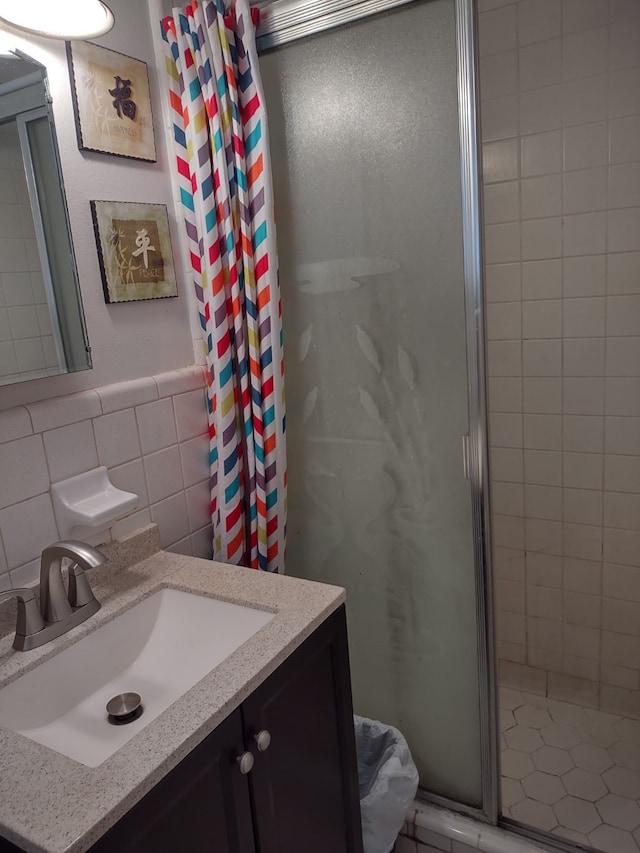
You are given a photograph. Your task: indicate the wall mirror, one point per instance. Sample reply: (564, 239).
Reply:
(42, 327)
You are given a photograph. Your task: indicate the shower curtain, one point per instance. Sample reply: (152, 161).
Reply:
(223, 166)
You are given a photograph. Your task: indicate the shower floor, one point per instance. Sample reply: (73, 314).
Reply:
(571, 771)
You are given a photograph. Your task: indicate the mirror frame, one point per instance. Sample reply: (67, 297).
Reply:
(63, 297)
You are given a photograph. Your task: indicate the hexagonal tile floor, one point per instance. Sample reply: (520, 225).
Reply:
(570, 770)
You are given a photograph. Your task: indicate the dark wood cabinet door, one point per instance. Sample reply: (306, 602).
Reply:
(304, 786)
(302, 793)
(202, 805)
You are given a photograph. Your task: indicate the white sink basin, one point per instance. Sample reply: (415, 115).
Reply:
(160, 648)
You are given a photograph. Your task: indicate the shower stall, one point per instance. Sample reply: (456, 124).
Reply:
(372, 223)
(408, 275)
(560, 106)
(374, 152)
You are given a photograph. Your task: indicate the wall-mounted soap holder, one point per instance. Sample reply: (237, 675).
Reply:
(89, 503)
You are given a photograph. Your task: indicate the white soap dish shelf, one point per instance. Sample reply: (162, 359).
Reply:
(89, 503)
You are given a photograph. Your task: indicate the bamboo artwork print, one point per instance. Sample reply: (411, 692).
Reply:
(134, 248)
(112, 102)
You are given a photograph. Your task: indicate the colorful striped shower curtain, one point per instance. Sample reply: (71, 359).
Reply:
(222, 157)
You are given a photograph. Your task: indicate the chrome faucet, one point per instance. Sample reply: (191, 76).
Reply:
(59, 611)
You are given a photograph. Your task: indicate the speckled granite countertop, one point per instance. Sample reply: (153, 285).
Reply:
(49, 802)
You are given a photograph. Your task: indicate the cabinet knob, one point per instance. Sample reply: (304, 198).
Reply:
(263, 740)
(245, 762)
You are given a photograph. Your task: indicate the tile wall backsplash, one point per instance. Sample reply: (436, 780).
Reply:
(150, 433)
(560, 99)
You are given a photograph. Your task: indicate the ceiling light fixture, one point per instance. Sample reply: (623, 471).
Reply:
(67, 19)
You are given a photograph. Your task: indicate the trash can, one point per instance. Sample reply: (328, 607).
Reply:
(388, 781)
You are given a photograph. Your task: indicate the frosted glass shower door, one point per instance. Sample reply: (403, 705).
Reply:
(365, 146)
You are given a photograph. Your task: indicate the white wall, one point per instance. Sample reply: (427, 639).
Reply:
(146, 422)
(127, 340)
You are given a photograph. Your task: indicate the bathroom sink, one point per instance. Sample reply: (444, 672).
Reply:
(159, 649)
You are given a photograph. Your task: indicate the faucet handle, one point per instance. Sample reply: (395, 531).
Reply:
(29, 619)
(55, 604)
(80, 592)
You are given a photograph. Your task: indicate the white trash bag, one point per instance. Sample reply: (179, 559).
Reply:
(388, 781)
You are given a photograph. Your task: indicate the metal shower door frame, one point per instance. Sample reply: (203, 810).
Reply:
(288, 20)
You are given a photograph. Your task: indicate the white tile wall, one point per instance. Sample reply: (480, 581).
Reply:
(152, 436)
(560, 99)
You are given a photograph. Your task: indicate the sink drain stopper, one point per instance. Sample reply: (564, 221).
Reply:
(124, 708)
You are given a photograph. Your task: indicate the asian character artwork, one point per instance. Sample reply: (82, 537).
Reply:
(134, 247)
(122, 100)
(112, 102)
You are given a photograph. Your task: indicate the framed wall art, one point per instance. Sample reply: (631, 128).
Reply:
(111, 102)
(134, 249)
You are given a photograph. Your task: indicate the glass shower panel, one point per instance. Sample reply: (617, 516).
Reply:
(365, 147)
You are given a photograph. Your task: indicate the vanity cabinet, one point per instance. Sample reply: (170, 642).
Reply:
(203, 804)
(300, 794)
